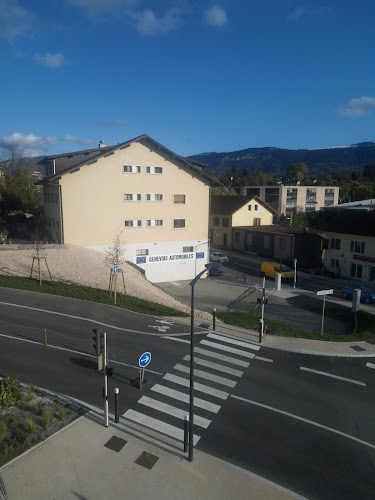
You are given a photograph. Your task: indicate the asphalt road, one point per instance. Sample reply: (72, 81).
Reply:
(308, 431)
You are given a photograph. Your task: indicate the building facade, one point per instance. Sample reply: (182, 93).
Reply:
(285, 199)
(156, 201)
(351, 245)
(227, 212)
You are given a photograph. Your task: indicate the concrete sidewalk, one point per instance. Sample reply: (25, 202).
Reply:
(78, 462)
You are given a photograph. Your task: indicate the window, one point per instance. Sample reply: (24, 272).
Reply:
(249, 207)
(310, 199)
(154, 197)
(131, 169)
(154, 222)
(266, 243)
(179, 223)
(179, 199)
(187, 249)
(372, 273)
(141, 251)
(154, 170)
(216, 221)
(236, 236)
(356, 270)
(133, 223)
(335, 244)
(256, 221)
(329, 197)
(132, 197)
(249, 239)
(335, 263)
(256, 207)
(357, 247)
(291, 198)
(225, 222)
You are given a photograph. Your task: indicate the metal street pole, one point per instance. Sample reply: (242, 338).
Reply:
(324, 306)
(295, 273)
(106, 422)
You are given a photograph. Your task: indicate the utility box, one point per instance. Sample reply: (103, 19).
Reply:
(356, 300)
(278, 281)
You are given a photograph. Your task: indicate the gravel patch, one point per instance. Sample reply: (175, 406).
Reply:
(81, 266)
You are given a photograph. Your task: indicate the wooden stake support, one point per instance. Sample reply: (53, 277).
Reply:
(111, 281)
(40, 273)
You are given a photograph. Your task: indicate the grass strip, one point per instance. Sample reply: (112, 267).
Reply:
(365, 327)
(87, 293)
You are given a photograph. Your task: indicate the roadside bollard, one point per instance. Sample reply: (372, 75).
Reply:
(214, 319)
(260, 330)
(117, 412)
(186, 432)
(45, 337)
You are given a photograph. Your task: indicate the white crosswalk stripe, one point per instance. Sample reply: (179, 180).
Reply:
(229, 340)
(167, 406)
(171, 410)
(215, 366)
(198, 387)
(222, 357)
(158, 425)
(206, 375)
(232, 350)
(185, 398)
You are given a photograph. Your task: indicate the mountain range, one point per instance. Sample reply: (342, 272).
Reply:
(275, 160)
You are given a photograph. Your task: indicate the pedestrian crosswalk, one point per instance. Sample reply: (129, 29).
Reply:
(215, 375)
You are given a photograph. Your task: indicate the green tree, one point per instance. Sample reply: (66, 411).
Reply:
(297, 172)
(17, 190)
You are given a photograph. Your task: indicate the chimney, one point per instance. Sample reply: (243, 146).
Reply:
(102, 144)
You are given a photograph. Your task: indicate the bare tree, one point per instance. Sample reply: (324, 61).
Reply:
(115, 253)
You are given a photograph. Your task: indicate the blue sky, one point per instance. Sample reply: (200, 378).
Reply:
(196, 75)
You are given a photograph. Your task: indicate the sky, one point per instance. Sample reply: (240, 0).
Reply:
(195, 75)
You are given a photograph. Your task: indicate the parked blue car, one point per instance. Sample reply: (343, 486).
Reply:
(367, 295)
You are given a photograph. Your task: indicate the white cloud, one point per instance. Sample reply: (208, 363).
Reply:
(300, 12)
(357, 107)
(114, 122)
(14, 20)
(147, 23)
(215, 16)
(32, 145)
(50, 60)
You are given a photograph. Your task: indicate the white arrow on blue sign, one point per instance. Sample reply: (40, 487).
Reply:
(145, 359)
(115, 269)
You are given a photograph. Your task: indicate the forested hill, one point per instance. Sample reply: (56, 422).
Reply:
(275, 160)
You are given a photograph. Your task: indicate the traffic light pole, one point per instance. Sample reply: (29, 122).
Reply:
(106, 422)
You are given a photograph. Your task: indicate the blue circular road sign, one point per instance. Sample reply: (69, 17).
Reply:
(144, 359)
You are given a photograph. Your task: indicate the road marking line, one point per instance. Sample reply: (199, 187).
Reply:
(228, 349)
(264, 359)
(175, 283)
(185, 398)
(206, 375)
(330, 429)
(222, 357)
(158, 425)
(198, 387)
(172, 410)
(370, 365)
(230, 340)
(333, 376)
(215, 366)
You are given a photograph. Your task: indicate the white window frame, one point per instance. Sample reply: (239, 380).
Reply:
(256, 207)
(152, 170)
(132, 197)
(249, 207)
(174, 224)
(187, 249)
(153, 197)
(134, 169)
(141, 252)
(155, 223)
(134, 223)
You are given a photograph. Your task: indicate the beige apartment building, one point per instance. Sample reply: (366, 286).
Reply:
(285, 199)
(155, 199)
(228, 212)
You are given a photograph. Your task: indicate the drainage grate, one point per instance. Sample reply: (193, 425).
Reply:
(115, 443)
(147, 460)
(357, 348)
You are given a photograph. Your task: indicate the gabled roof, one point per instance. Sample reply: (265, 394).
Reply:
(352, 222)
(228, 205)
(70, 162)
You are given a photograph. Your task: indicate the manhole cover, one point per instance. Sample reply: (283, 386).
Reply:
(115, 443)
(357, 348)
(147, 460)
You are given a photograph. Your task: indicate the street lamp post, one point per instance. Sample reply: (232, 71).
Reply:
(211, 265)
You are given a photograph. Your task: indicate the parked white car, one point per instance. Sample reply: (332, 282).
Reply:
(219, 257)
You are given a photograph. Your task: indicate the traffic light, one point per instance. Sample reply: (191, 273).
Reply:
(97, 337)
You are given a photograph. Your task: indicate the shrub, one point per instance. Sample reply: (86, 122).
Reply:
(47, 416)
(63, 413)
(9, 392)
(30, 424)
(3, 429)
(37, 408)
